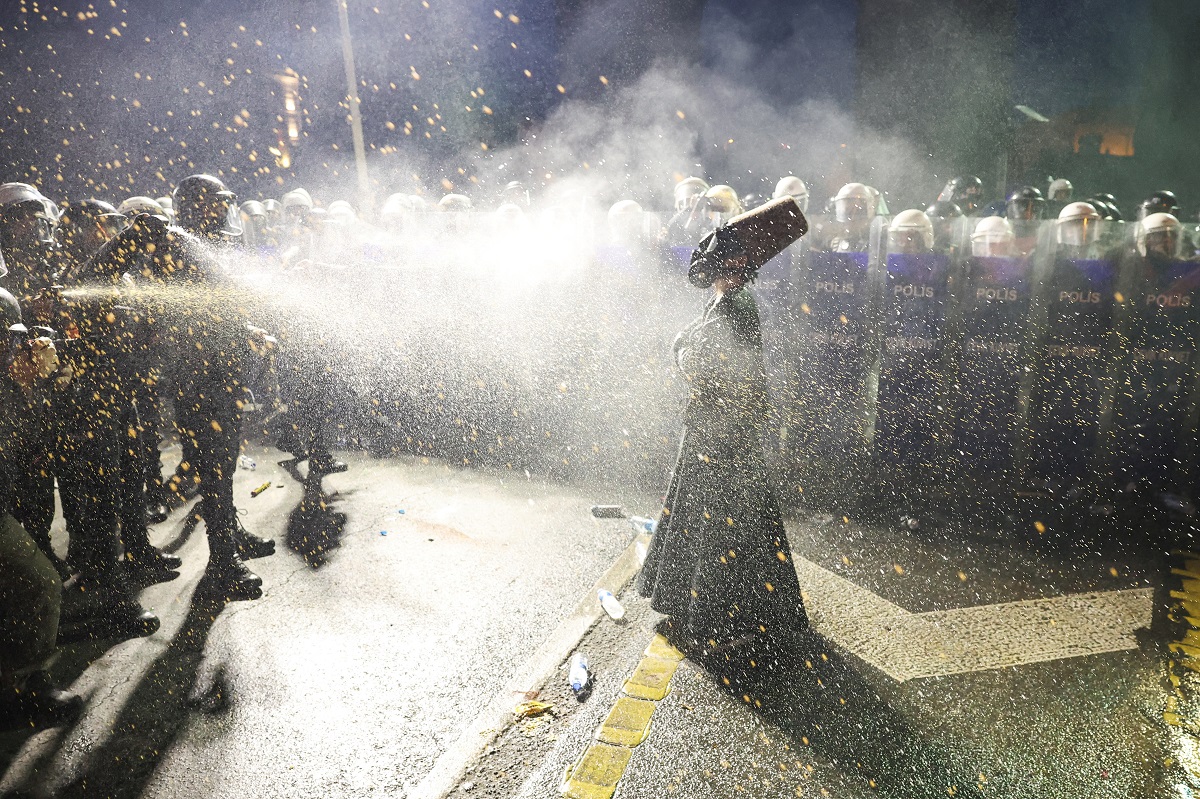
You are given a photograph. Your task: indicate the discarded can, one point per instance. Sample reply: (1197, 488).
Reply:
(612, 606)
(246, 462)
(608, 511)
(260, 489)
(642, 524)
(578, 675)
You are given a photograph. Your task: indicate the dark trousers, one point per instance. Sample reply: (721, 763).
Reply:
(209, 420)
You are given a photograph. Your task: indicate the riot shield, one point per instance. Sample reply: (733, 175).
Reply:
(1152, 419)
(774, 290)
(1072, 364)
(910, 403)
(993, 319)
(824, 412)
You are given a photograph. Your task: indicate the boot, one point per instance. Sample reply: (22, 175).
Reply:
(146, 565)
(103, 607)
(228, 578)
(249, 545)
(38, 705)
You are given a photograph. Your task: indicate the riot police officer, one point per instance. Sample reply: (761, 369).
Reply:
(992, 238)
(910, 232)
(684, 226)
(83, 229)
(31, 591)
(946, 217)
(26, 239)
(854, 208)
(1058, 194)
(1159, 202)
(1078, 230)
(965, 191)
(794, 187)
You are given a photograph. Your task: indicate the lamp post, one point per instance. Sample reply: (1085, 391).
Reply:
(360, 152)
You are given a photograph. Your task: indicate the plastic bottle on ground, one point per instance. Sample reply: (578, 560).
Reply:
(578, 675)
(612, 606)
(246, 462)
(643, 524)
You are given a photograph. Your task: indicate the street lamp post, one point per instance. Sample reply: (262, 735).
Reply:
(360, 152)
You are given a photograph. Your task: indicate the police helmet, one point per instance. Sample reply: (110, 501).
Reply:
(296, 200)
(855, 202)
(1078, 224)
(751, 200)
(993, 236)
(1160, 202)
(723, 200)
(341, 212)
(22, 202)
(515, 193)
(1026, 204)
(395, 208)
(687, 191)
(81, 218)
(943, 209)
(1060, 190)
(253, 208)
(205, 207)
(966, 191)
(454, 203)
(1159, 234)
(134, 206)
(1114, 210)
(792, 186)
(910, 231)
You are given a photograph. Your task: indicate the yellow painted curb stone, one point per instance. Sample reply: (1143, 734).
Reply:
(628, 724)
(597, 773)
(652, 678)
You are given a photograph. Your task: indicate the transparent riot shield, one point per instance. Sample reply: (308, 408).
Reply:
(774, 290)
(824, 411)
(910, 401)
(1150, 435)
(993, 316)
(679, 258)
(1072, 359)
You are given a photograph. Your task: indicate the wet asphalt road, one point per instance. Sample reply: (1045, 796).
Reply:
(1081, 720)
(960, 662)
(359, 667)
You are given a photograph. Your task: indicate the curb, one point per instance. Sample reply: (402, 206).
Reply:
(494, 718)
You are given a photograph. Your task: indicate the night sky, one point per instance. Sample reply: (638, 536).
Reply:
(107, 95)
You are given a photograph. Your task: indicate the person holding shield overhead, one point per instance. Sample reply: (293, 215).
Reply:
(719, 565)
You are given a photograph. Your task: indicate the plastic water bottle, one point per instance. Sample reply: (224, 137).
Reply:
(612, 606)
(578, 675)
(247, 463)
(642, 524)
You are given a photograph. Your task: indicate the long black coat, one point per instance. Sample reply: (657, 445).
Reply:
(719, 562)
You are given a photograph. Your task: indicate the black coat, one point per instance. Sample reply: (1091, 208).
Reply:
(719, 562)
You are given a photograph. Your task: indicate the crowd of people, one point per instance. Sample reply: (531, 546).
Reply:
(122, 325)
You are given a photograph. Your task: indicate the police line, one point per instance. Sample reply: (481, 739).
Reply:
(1058, 367)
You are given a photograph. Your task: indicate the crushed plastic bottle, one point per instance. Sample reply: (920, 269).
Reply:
(578, 674)
(612, 606)
(247, 463)
(642, 524)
